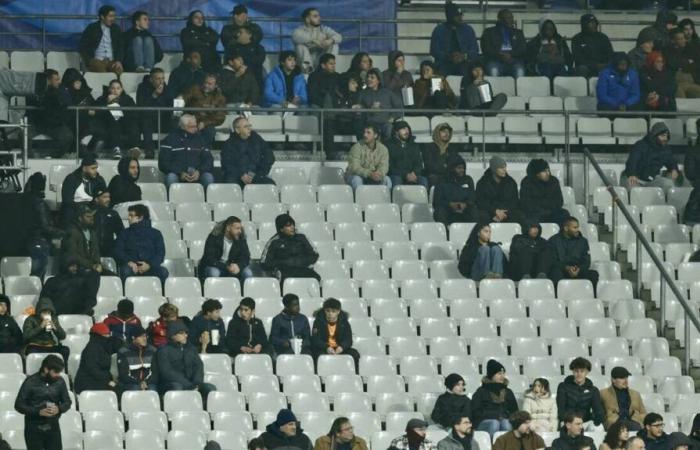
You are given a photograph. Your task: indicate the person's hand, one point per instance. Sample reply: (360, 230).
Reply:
(184, 176)
(246, 349)
(633, 181)
(501, 215)
(575, 270)
(507, 57)
(118, 67)
(296, 101)
(330, 351)
(144, 266)
(257, 348)
(233, 268)
(204, 339)
(195, 176)
(143, 386)
(111, 384)
(111, 97)
(457, 57)
(674, 175)
(376, 176)
(411, 177)
(338, 350)
(376, 105)
(46, 323)
(356, 106)
(201, 125)
(97, 268)
(53, 410)
(47, 412)
(247, 179)
(133, 266)
(569, 270)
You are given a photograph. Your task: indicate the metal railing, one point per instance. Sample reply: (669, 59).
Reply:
(13, 166)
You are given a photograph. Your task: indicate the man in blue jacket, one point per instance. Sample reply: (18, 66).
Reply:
(140, 249)
(184, 155)
(288, 326)
(618, 85)
(453, 43)
(285, 84)
(246, 158)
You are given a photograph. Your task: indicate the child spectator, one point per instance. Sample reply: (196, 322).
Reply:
(123, 321)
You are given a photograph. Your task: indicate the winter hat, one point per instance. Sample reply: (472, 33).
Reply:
(100, 328)
(492, 368)
(135, 331)
(282, 221)
(399, 124)
(284, 417)
(289, 298)
(125, 307)
(454, 160)
(212, 445)
(678, 439)
(88, 160)
(646, 35)
(451, 10)
(496, 162)
(659, 128)
(99, 191)
(416, 423)
(587, 18)
(451, 380)
(619, 372)
(248, 302)
(537, 165)
(176, 327)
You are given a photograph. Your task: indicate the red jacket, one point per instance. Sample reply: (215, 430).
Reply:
(121, 328)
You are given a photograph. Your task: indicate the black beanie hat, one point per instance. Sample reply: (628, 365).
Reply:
(536, 166)
(125, 307)
(88, 160)
(493, 367)
(451, 380)
(282, 221)
(451, 10)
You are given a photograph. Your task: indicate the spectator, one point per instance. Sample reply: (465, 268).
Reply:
(341, 435)
(541, 198)
(79, 187)
(653, 433)
(530, 254)
(41, 228)
(591, 48)
(571, 435)
(158, 330)
(360, 66)
(253, 53)
(691, 168)
(78, 93)
(452, 404)
(10, 333)
(290, 333)
(332, 333)
(43, 332)
(312, 39)
(521, 437)
(572, 257)
(396, 77)
(239, 18)
(179, 365)
(578, 394)
(368, 161)
(480, 257)
(200, 38)
(101, 45)
(454, 199)
(184, 155)
(108, 224)
(405, 160)
(72, 291)
(541, 407)
(504, 47)
(81, 243)
(415, 437)
(52, 117)
(453, 44)
(189, 73)
(477, 93)
(123, 322)
(548, 54)
(375, 96)
(42, 399)
(207, 330)
(497, 194)
(140, 249)
(620, 403)
(345, 97)
(658, 85)
(277, 92)
(95, 362)
(323, 82)
(246, 158)
(209, 96)
(239, 84)
(618, 85)
(647, 157)
(638, 55)
(136, 363)
(285, 433)
(635, 443)
(493, 402)
(142, 50)
(461, 436)
(425, 96)
(118, 129)
(665, 22)
(289, 253)
(691, 36)
(679, 441)
(152, 93)
(435, 156)
(681, 62)
(226, 251)
(616, 437)
(246, 333)
(123, 187)
(256, 444)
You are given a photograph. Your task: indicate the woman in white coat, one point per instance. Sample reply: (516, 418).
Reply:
(541, 406)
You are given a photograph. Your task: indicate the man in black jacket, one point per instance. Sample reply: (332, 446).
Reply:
(42, 398)
(52, 118)
(96, 360)
(503, 47)
(530, 254)
(285, 433)
(591, 49)
(653, 434)
(108, 224)
(541, 199)
(253, 53)
(666, 21)
(497, 194)
(239, 18)
(493, 402)
(246, 333)
(151, 92)
(452, 403)
(571, 254)
(332, 334)
(72, 292)
(405, 159)
(323, 82)
(226, 251)
(647, 157)
(79, 187)
(238, 83)
(136, 363)
(246, 158)
(10, 333)
(571, 435)
(189, 73)
(289, 253)
(578, 394)
(454, 199)
(101, 44)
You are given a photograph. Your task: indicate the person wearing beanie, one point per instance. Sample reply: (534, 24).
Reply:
(396, 77)
(461, 434)
(246, 333)
(646, 159)
(341, 436)
(471, 95)
(521, 437)
(368, 160)
(290, 332)
(541, 199)
(140, 249)
(312, 39)
(548, 53)
(239, 18)
(288, 253)
(425, 97)
(332, 333)
(620, 403)
(658, 84)
(571, 254)
(415, 437)
(72, 291)
(571, 435)
(481, 257)
(455, 199)
(108, 224)
(591, 49)
(453, 43)
(436, 154)
(96, 360)
(207, 329)
(493, 402)
(503, 47)
(578, 394)
(78, 188)
(136, 363)
(10, 334)
(454, 402)
(542, 407)
(226, 252)
(665, 22)
(405, 160)
(246, 157)
(497, 194)
(530, 254)
(123, 321)
(285, 433)
(285, 85)
(618, 85)
(638, 55)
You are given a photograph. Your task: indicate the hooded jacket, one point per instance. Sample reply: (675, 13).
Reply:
(137, 364)
(663, 82)
(569, 252)
(543, 410)
(285, 327)
(508, 441)
(444, 37)
(75, 246)
(584, 399)
(319, 334)
(180, 363)
(492, 195)
(35, 393)
(202, 39)
(362, 160)
(214, 248)
(122, 328)
(95, 362)
(615, 89)
(590, 49)
(140, 242)
(470, 251)
(125, 100)
(566, 442)
(181, 79)
(145, 97)
(195, 97)
(199, 325)
(493, 401)
(404, 156)
(10, 333)
(42, 224)
(647, 156)
(492, 40)
(436, 161)
(181, 150)
(540, 198)
(611, 406)
(123, 187)
(538, 51)
(402, 443)
(453, 188)
(241, 156)
(82, 96)
(128, 39)
(321, 86)
(241, 333)
(449, 405)
(274, 439)
(91, 37)
(108, 225)
(71, 184)
(275, 90)
(71, 293)
(658, 31)
(393, 80)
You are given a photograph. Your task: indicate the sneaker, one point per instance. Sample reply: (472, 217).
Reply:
(117, 153)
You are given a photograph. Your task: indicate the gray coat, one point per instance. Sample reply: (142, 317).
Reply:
(450, 443)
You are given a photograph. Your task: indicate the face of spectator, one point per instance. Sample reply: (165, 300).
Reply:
(500, 377)
(240, 19)
(501, 172)
(533, 232)
(670, 26)
(244, 129)
(464, 426)
(289, 429)
(679, 40)
(133, 169)
(647, 47)
(426, 72)
(579, 374)
(141, 341)
(575, 427)
(372, 81)
(346, 433)
(214, 315)
(445, 135)
(313, 19)
(293, 307)
(544, 175)
(104, 200)
(190, 126)
(536, 386)
(622, 66)
(548, 30)
(90, 171)
(195, 60)
(478, 73)
(370, 136)
(244, 36)
(73, 268)
(109, 19)
(289, 64)
(637, 444)
(180, 338)
(142, 22)
(3, 308)
(456, 19)
(209, 85)
(485, 236)
(524, 428)
(54, 81)
(458, 388)
(688, 31)
(77, 84)
(624, 434)
(571, 230)
(236, 63)
(157, 79)
(659, 63)
(289, 229)
(234, 231)
(507, 19)
(656, 429)
(245, 312)
(331, 315)
(50, 374)
(198, 19)
(620, 383)
(133, 218)
(662, 138)
(115, 89)
(87, 220)
(459, 170)
(365, 63)
(403, 133)
(420, 431)
(592, 26)
(399, 63)
(352, 85)
(329, 66)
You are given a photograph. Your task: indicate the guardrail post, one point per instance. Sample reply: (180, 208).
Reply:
(483, 138)
(567, 148)
(323, 137)
(686, 349)
(639, 267)
(662, 304)
(586, 186)
(77, 136)
(614, 227)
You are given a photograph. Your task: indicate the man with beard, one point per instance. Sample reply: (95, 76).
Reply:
(226, 251)
(207, 95)
(151, 92)
(454, 199)
(415, 437)
(312, 39)
(82, 243)
(123, 188)
(79, 187)
(368, 161)
(521, 437)
(405, 160)
(571, 254)
(238, 84)
(461, 434)
(72, 292)
(108, 224)
(647, 157)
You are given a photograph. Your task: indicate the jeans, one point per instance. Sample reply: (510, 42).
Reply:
(492, 426)
(160, 272)
(204, 389)
(489, 259)
(144, 52)
(39, 251)
(215, 272)
(205, 179)
(498, 69)
(356, 181)
(398, 181)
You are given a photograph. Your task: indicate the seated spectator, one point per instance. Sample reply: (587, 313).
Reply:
(647, 157)
(158, 330)
(77, 92)
(256, 444)
(504, 47)
(368, 161)
(72, 291)
(189, 73)
(332, 333)
(207, 329)
(226, 251)
(461, 435)
(184, 155)
(521, 437)
(396, 77)
(578, 394)
(665, 22)
(452, 404)
(136, 363)
(691, 169)
(179, 365)
(618, 85)
(691, 36)
(653, 433)
(415, 437)
(10, 334)
(246, 333)
(312, 40)
(679, 441)
(497, 194)
(82, 243)
(285, 433)
(209, 96)
(635, 443)
(530, 254)
(681, 62)
(541, 198)
(694, 433)
(480, 257)
(548, 54)
(658, 85)
(95, 362)
(375, 96)
(477, 93)
(638, 55)
(108, 224)
(253, 53)
(453, 44)
(116, 128)
(238, 83)
(591, 49)
(616, 437)
(122, 322)
(454, 199)
(346, 95)
(239, 19)
(541, 407)
(78, 188)
(571, 435)
(405, 160)
(424, 94)
(620, 403)
(360, 66)
(141, 49)
(198, 37)
(140, 249)
(123, 187)
(43, 332)
(290, 333)
(52, 117)
(287, 74)
(246, 158)
(572, 255)
(493, 402)
(101, 45)
(435, 156)
(152, 92)
(341, 434)
(288, 253)
(41, 228)
(323, 82)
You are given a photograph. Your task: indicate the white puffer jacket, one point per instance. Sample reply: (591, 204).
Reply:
(543, 410)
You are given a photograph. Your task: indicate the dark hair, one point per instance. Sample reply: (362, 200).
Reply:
(651, 418)
(137, 15)
(210, 305)
(502, 12)
(231, 220)
(245, 27)
(579, 363)
(332, 303)
(374, 71)
(50, 72)
(284, 54)
(675, 31)
(687, 21)
(140, 210)
(156, 70)
(53, 363)
(572, 415)
(256, 443)
(325, 58)
(612, 437)
(355, 62)
(564, 222)
(543, 381)
(105, 9)
(337, 425)
(188, 53)
(232, 54)
(372, 127)
(456, 419)
(211, 75)
(167, 309)
(518, 418)
(305, 13)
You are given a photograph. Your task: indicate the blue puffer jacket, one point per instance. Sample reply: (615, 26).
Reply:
(140, 242)
(181, 150)
(276, 88)
(615, 89)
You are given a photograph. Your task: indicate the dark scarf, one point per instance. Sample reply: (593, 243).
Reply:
(465, 442)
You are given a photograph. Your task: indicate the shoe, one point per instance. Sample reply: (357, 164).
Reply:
(117, 153)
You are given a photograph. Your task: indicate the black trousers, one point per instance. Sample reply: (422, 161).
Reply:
(298, 272)
(43, 437)
(448, 216)
(589, 274)
(530, 262)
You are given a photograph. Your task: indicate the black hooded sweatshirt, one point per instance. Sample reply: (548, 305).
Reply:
(123, 187)
(95, 363)
(108, 225)
(454, 188)
(647, 156)
(202, 39)
(241, 333)
(536, 53)
(404, 156)
(72, 293)
(321, 87)
(540, 198)
(492, 195)
(449, 405)
(584, 399)
(492, 401)
(524, 248)
(10, 333)
(591, 49)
